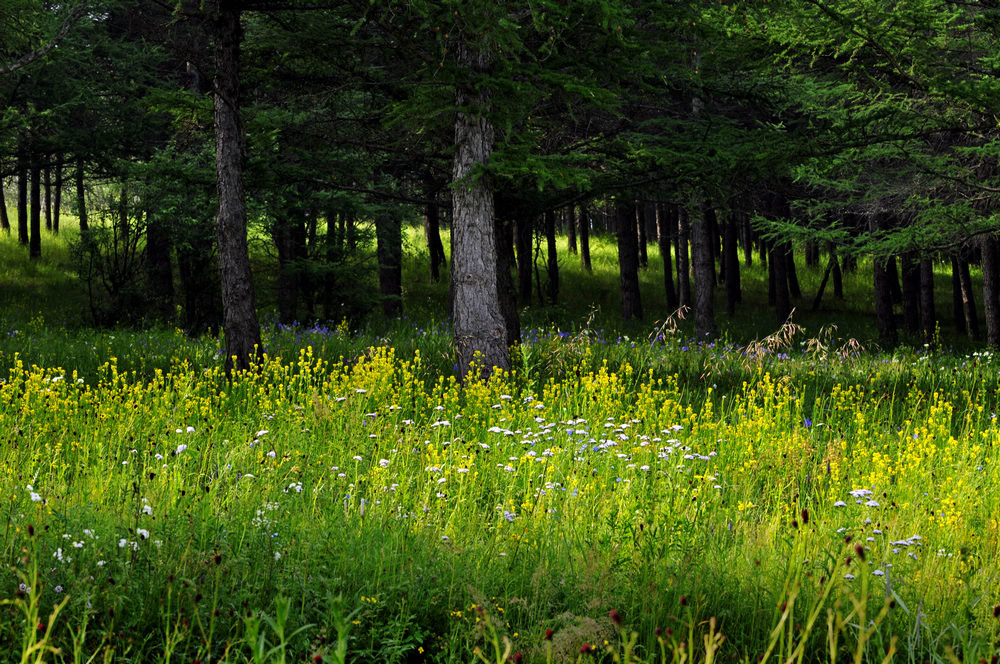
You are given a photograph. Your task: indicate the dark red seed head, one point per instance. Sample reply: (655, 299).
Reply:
(658, 632)
(847, 539)
(684, 600)
(616, 617)
(218, 559)
(585, 648)
(517, 658)
(41, 627)
(31, 530)
(784, 606)
(317, 658)
(860, 550)
(548, 634)
(805, 517)
(996, 611)
(795, 524)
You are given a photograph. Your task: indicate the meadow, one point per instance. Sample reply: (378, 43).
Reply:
(624, 495)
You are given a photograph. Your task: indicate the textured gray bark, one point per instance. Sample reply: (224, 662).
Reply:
(479, 330)
(704, 268)
(239, 314)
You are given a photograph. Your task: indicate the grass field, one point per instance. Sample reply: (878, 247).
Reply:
(622, 496)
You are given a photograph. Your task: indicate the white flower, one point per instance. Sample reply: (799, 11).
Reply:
(58, 589)
(35, 498)
(262, 432)
(272, 454)
(277, 555)
(142, 532)
(180, 448)
(358, 458)
(147, 509)
(190, 430)
(384, 463)
(872, 503)
(878, 572)
(122, 543)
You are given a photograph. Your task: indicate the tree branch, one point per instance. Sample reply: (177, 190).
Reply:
(41, 51)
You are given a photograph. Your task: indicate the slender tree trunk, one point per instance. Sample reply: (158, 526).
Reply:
(585, 238)
(712, 241)
(35, 242)
(885, 322)
(779, 264)
(628, 262)
(838, 277)
(892, 271)
(704, 271)
(640, 222)
(479, 330)
(822, 284)
(747, 240)
(683, 257)
(793, 278)
(911, 294)
(81, 198)
(389, 250)
(432, 232)
(928, 322)
(4, 219)
(57, 195)
(47, 197)
(991, 289)
(571, 229)
(968, 298)
(663, 237)
(22, 195)
(506, 292)
(553, 259)
(958, 312)
(242, 330)
(731, 260)
(522, 242)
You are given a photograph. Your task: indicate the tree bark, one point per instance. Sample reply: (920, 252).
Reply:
(432, 233)
(838, 276)
(794, 290)
(389, 250)
(35, 240)
(22, 195)
(552, 262)
(641, 240)
(585, 239)
(885, 322)
(506, 292)
(242, 330)
(778, 262)
(967, 298)
(683, 257)
(747, 240)
(664, 222)
(288, 287)
(928, 322)
(57, 195)
(571, 229)
(47, 197)
(628, 261)
(523, 236)
(704, 271)
(81, 198)
(991, 289)
(4, 219)
(479, 330)
(911, 294)
(731, 261)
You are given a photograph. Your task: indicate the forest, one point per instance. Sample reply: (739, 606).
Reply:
(428, 330)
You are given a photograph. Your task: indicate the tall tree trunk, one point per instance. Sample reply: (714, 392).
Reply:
(778, 262)
(664, 223)
(522, 241)
(957, 311)
(838, 276)
(47, 196)
(704, 271)
(506, 292)
(892, 272)
(731, 261)
(432, 233)
(22, 195)
(389, 251)
(683, 257)
(159, 271)
(242, 330)
(4, 219)
(911, 294)
(35, 242)
(793, 278)
(968, 297)
(585, 238)
(628, 261)
(928, 322)
(571, 229)
(641, 240)
(885, 322)
(479, 330)
(747, 240)
(57, 195)
(712, 240)
(81, 198)
(991, 289)
(552, 261)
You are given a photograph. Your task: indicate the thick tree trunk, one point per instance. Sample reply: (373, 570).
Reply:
(47, 197)
(432, 233)
(22, 195)
(571, 229)
(885, 322)
(389, 250)
(4, 219)
(911, 294)
(585, 239)
(778, 263)
(552, 261)
(704, 271)
(892, 271)
(479, 329)
(523, 236)
(664, 223)
(928, 322)
(242, 330)
(991, 289)
(35, 241)
(506, 292)
(57, 195)
(628, 262)
(712, 241)
(683, 257)
(731, 261)
(81, 198)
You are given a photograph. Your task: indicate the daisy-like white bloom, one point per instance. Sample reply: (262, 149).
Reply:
(383, 463)
(181, 448)
(142, 532)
